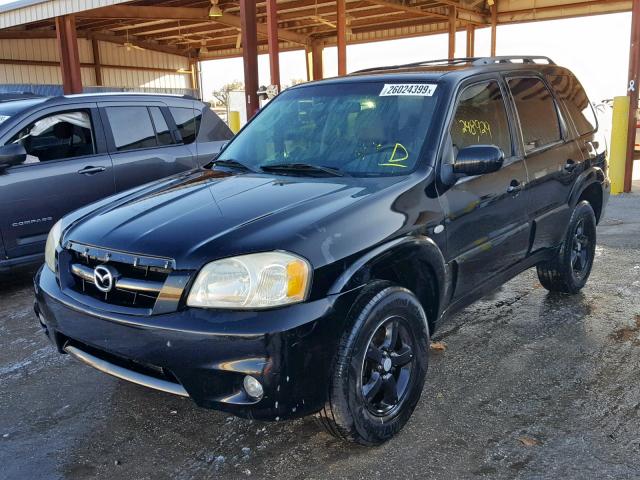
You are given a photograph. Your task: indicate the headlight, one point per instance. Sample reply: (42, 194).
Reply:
(53, 241)
(258, 280)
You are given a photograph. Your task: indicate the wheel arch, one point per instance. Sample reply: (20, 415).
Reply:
(589, 187)
(415, 263)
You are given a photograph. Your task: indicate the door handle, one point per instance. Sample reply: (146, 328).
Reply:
(570, 166)
(91, 170)
(514, 187)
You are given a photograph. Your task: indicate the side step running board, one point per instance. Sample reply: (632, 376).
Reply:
(125, 374)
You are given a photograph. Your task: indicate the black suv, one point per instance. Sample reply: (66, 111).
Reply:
(58, 154)
(304, 269)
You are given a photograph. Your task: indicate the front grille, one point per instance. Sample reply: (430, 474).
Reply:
(136, 281)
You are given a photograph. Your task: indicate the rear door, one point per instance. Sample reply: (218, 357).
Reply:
(67, 167)
(486, 215)
(553, 160)
(579, 112)
(142, 144)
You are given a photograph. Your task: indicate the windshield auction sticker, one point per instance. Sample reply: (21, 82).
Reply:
(408, 89)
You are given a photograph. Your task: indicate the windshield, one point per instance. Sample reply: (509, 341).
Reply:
(360, 129)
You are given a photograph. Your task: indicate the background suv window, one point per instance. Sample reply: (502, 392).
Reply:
(57, 137)
(481, 118)
(537, 112)
(131, 128)
(188, 122)
(570, 92)
(163, 133)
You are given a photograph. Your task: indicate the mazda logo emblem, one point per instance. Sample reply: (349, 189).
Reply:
(104, 278)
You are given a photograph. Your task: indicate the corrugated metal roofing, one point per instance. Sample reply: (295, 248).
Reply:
(27, 11)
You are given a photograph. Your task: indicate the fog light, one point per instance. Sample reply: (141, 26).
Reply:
(253, 387)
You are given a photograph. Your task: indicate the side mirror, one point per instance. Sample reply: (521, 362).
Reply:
(11, 155)
(478, 159)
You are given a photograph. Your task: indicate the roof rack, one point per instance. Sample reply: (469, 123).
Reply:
(442, 61)
(470, 60)
(511, 58)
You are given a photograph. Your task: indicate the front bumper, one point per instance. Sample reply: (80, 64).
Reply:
(208, 352)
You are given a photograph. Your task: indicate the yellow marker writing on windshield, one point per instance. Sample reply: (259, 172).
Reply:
(396, 160)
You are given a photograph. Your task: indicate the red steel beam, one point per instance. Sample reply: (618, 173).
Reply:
(634, 66)
(471, 41)
(452, 32)
(341, 11)
(272, 38)
(69, 56)
(494, 26)
(250, 54)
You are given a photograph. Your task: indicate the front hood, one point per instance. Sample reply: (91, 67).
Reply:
(182, 218)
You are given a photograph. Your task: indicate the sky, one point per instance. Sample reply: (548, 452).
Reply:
(595, 48)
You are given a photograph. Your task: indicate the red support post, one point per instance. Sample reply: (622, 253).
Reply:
(250, 54)
(632, 91)
(452, 32)
(274, 47)
(69, 56)
(494, 27)
(342, 36)
(471, 40)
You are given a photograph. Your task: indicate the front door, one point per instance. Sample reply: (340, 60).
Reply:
(64, 170)
(485, 215)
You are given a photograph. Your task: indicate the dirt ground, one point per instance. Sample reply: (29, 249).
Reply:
(530, 386)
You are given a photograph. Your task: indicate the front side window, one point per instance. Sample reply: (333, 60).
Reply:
(481, 118)
(361, 129)
(570, 92)
(131, 128)
(188, 122)
(58, 136)
(537, 112)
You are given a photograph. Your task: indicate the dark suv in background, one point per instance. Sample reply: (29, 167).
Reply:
(304, 269)
(58, 154)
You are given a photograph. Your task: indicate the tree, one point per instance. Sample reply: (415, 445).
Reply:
(221, 96)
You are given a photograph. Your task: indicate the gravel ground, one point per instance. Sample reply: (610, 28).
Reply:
(530, 386)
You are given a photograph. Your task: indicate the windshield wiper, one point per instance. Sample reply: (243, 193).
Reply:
(303, 168)
(230, 163)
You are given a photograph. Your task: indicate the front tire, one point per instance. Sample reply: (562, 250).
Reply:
(380, 367)
(569, 271)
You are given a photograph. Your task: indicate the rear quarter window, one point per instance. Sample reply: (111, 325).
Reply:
(188, 122)
(569, 91)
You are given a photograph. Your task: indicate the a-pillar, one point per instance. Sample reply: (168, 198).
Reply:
(69, 56)
(250, 54)
(632, 91)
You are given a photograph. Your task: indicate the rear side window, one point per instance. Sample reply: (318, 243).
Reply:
(188, 122)
(162, 129)
(131, 127)
(537, 112)
(481, 118)
(572, 95)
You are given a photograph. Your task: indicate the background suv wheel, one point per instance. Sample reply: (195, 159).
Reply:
(380, 366)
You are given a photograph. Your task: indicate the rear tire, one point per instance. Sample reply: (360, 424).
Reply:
(569, 270)
(380, 366)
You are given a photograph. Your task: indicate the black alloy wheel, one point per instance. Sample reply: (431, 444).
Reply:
(387, 367)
